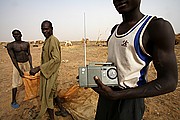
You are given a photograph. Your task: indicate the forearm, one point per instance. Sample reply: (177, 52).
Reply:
(12, 56)
(49, 68)
(35, 70)
(15, 63)
(30, 61)
(153, 88)
(162, 85)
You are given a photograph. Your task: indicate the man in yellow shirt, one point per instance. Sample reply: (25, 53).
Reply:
(49, 68)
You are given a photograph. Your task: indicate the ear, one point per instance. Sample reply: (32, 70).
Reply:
(21, 34)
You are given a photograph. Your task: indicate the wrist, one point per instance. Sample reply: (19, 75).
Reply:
(39, 68)
(19, 70)
(31, 66)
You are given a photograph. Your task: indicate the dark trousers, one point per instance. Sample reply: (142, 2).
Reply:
(130, 109)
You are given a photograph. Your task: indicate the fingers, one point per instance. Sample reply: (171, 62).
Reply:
(98, 81)
(32, 72)
(22, 75)
(100, 84)
(35, 70)
(96, 78)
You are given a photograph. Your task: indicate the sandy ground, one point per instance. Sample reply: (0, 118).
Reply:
(164, 107)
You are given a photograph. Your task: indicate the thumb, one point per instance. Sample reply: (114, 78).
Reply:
(98, 81)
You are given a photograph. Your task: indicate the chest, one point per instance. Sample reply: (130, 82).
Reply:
(18, 47)
(134, 34)
(46, 51)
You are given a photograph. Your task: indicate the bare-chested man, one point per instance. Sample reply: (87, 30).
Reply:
(19, 52)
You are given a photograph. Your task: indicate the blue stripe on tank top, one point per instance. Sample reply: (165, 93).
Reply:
(147, 59)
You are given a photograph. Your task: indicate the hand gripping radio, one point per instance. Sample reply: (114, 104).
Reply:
(105, 71)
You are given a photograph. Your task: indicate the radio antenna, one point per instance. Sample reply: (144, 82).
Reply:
(84, 40)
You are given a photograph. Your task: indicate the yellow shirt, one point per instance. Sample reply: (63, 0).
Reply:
(50, 63)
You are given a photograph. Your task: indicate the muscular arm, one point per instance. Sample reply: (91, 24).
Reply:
(164, 58)
(163, 37)
(29, 56)
(13, 57)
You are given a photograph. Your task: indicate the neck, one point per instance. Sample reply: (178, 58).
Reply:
(18, 41)
(48, 36)
(132, 16)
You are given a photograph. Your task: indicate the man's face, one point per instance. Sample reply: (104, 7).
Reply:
(124, 6)
(17, 35)
(46, 29)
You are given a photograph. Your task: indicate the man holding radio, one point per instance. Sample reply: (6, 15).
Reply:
(135, 42)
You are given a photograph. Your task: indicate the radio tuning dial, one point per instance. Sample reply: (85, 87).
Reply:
(112, 73)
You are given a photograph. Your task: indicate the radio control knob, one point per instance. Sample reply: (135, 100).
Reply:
(112, 73)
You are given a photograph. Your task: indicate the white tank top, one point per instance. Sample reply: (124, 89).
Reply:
(129, 56)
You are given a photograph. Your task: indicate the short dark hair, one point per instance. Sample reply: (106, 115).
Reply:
(16, 30)
(47, 21)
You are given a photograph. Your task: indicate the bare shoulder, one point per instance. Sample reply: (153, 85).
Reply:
(161, 30)
(160, 25)
(114, 28)
(10, 45)
(28, 43)
(25, 42)
(159, 21)
(54, 40)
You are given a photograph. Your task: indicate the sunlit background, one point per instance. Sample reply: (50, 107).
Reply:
(67, 17)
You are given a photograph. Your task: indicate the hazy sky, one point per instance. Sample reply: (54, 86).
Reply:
(67, 17)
